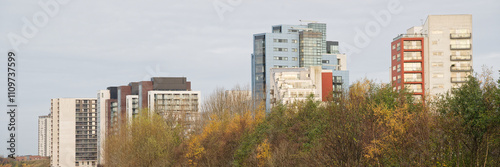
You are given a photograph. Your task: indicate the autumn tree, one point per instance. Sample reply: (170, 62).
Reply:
(148, 140)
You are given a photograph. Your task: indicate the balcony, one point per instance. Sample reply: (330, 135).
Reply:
(412, 69)
(459, 80)
(408, 58)
(412, 47)
(413, 79)
(459, 69)
(460, 35)
(460, 57)
(460, 46)
(338, 81)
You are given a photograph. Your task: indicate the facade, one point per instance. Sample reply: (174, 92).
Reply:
(336, 62)
(408, 64)
(181, 106)
(289, 85)
(44, 126)
(74, 132)
(125, 101)
(445, 56)
(289, 46)
(102, 117)
(132, 106)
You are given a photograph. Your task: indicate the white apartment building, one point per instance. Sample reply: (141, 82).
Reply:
(132, 106)
(44, 125)
(182, 106)
(102, 115)
(74, 132)
(289, 85)
(449, 53)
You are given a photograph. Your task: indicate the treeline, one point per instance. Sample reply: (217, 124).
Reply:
(371, 125)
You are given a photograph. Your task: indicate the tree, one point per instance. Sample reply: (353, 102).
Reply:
(147, 141)
(470, 115)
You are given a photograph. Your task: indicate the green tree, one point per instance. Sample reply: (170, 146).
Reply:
(470, 117)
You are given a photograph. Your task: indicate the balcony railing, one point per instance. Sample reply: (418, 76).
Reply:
(460, 35)
(412, 47)
(409, 36)
(413, 58)
(460, 46)
(459, 80)
(460, 57)
(413, 68)
(462, 68)
(413, 79)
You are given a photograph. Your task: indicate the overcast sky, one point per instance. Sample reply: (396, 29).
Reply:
(90, 45)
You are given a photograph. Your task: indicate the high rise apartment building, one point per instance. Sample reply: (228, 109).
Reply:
(125, 101)
(44, 126)
(435, 57)
(74, 132)
(292, 46)
(183, 107)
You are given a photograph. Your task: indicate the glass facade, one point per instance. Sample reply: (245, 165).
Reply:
(310, 48)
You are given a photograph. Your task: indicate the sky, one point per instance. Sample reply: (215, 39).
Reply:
(80, 47)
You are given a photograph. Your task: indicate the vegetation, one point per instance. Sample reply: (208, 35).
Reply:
(8, 162)
(370, 125)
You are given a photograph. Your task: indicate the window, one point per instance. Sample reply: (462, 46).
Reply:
(280, 58)
(413, 55)
(437, 64)
(394, 78)
(399, 67)
(280, 66)
(437, 75)
(399, 57)
(437, 53)
(393, 68)
(294, 40)
(326, 61)
(280, 40)
(438, 86)
(413, 77)
(412, 44)
(294, 49)
(281, 49)
(393, 47)
(394, 57)
(413, 66)
(417, 88)
(294, 58)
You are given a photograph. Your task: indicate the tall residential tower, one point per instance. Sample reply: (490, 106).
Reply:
(435, 57)
(292, 46)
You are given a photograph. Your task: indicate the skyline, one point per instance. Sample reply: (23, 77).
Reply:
(115, 43)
